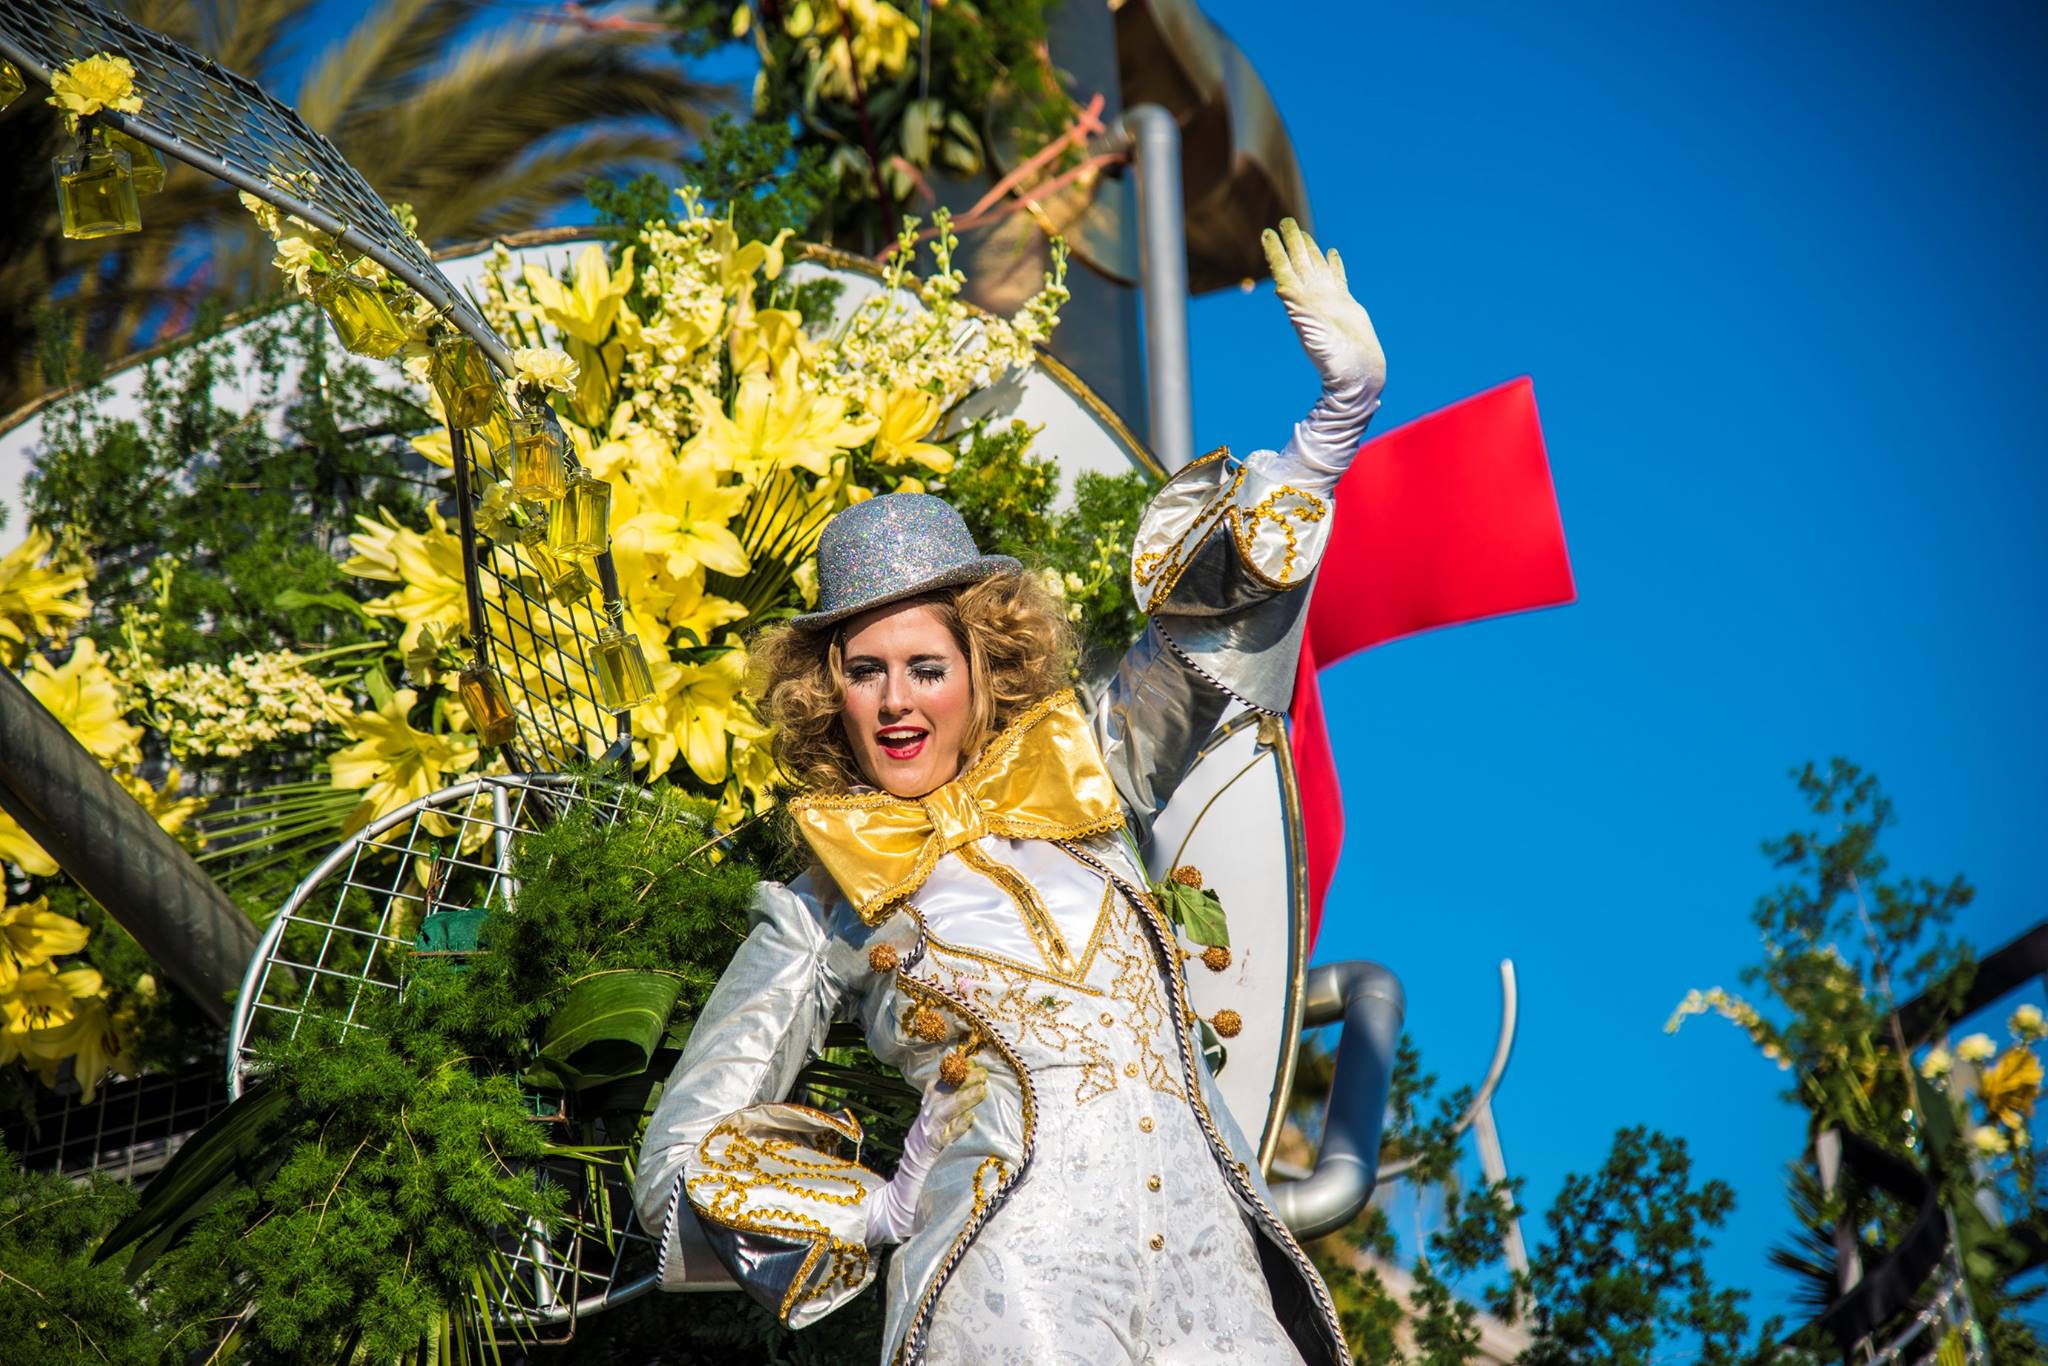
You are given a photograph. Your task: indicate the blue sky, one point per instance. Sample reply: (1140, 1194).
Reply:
(1777, 274)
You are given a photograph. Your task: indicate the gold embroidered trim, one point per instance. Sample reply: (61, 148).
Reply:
(1244, 529)
(725, 1190)
(1078, 981)
(1045, 931)
(981, 1197)
(1162, 569)
(1166, 566)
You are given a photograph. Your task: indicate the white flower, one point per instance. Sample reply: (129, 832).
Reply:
(1988, 1139)
(2027, 1022)
(545, 368)
(1936, 1064)
(1977, 1048)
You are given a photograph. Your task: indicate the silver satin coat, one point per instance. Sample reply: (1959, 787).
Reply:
(1222, 563)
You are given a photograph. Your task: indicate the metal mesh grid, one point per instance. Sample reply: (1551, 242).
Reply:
(128, 1131)
(338, 940)
(226, 125)
(541, 647)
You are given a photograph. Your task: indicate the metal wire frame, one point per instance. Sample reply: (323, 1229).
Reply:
(338, 940)
(228, 126)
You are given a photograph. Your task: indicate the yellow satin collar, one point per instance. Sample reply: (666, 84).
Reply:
(1041, 778)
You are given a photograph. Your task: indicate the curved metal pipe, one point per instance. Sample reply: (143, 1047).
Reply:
(1503, 1047)
(1369, 1000)
(117, 852)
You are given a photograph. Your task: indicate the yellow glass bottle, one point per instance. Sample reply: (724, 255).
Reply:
(463, 380)
(11, 83)
(362, 319)
(623, 681)
(144, 160)
(95, 190)
(540, 471)
(570, 584)
(483, 696)
(580, 521)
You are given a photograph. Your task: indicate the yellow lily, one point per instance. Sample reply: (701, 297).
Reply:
(588, 306)
(776, 424)
(681, 515)
(393, 761)
(31, 934)
(84, 695)
(695, 709)
(37, 599)
(93, 1038)
(763, 336)
(906, 417)
(2011, 1086)
(42, 996)
(164, 805)
(427, 564)
(737, 263)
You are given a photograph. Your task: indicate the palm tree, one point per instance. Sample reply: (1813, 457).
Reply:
(480, 129)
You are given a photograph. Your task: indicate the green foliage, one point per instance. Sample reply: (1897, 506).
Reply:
(756, 172)
(1622, 1278)
(1006, 493)
(57, 1306)
(249, 500)
(369, 1188)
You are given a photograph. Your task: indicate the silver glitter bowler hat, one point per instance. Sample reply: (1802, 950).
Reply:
(894, 546)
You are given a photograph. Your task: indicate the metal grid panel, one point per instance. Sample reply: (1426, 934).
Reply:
(128, 1131)
(228, 126)
(337, 941)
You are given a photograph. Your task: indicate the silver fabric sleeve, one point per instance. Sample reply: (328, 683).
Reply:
(761, 1023)
(1156, 711)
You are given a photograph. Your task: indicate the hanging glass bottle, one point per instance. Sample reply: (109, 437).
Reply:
(95, 189)
(362, 319)
(569, 584)
(11, 83)
(144, 160)
(463, 380)
(623, 680)
(539, 450)
(580, 521)
(483, 696)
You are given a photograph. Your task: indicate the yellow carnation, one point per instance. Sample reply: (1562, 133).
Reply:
(545, 368)
(91, 84)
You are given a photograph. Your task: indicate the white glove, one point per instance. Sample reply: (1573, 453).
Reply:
(1340, 341)
(946, 1114)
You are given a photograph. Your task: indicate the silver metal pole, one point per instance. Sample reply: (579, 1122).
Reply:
(1153, 137)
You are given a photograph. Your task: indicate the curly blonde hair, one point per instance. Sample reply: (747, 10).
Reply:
(1012, 630)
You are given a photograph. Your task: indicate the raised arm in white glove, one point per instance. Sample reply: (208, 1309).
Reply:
(1340, 340)
(946, 1113)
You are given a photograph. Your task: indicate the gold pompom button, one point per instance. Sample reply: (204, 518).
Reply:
(1158, 1242)
(1187, 875)
(1226, 1023)
(1151, 1183)
(1216, 958)
(884, 958)
(928, 1025)
(1145, 1125)
(953, 1067)
(1130, 1069)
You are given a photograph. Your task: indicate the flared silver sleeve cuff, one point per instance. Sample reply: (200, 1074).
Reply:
(1222, 552)
(784, 1208)
(753, 1035)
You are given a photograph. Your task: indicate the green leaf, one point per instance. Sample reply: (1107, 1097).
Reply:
(292, 599)
(1196, 910)
(237, 1147)
(606, 1028)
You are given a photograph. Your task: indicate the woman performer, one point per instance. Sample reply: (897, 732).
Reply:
(1073, 1189)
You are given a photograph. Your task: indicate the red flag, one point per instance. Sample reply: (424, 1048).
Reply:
(1449, 519)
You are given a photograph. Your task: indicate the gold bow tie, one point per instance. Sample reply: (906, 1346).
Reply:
(1040, 778)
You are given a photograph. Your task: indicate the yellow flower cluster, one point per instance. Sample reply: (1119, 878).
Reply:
(729, 434)
(206, 711)
(842, 37)
(2006, 1085)
(91, 84)
(50, 1011)
(39, 597)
